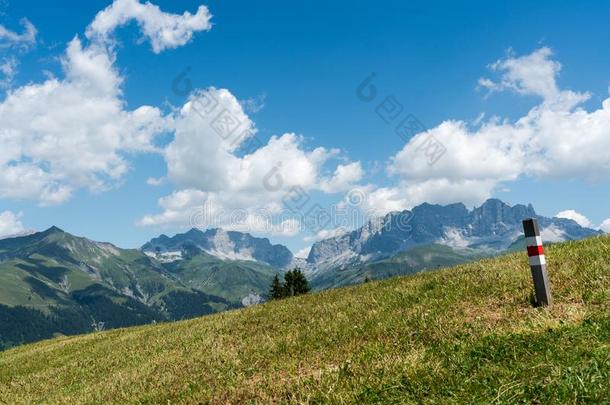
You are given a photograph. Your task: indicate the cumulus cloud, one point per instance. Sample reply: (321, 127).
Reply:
(605, 226)
(61, 135)
(555, 139)
(203, 154)
(577, 217)
(199, 209)
(216, 158)
(75, 132)
(582, 220)
(552, 234)
(64, 134)
(178, 207)
(534, 74)
(10, 224)
(344, 178)
(163, 30)
(24, 40)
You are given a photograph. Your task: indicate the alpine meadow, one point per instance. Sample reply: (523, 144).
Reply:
(236, 202)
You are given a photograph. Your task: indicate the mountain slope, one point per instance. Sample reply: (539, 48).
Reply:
(233, 280)
(489, 229)
(413, 260)
(53, 283)
(467, 334)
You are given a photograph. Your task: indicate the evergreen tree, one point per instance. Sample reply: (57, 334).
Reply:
(296, 283)
(277, 290)
(301, 285)
(289, 283)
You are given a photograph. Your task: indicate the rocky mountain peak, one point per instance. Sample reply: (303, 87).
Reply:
(227, 245)
(493, 226)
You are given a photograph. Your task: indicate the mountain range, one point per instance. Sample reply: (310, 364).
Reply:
(54, 283)
(222, 244)
(443, 232)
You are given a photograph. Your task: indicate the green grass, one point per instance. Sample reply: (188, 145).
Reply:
(466, 334)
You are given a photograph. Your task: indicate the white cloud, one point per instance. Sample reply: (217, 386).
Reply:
(207, 159)
(605, 226)
(303, 253)
(534, 74)
(65, 134)
(178, 207)
(8, 70)
(555, 139)
(163, 30)
(24, 40)
(195, 208)
(344, 178)
(325, 234)
(75, 132)
(552, 234)
(152, 181)
(575, 216)
(201, 157)
(10, 224)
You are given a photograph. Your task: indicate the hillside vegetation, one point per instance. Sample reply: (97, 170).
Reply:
(53, 283)
(464, 334)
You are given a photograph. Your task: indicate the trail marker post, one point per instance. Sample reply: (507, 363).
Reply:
(535, 252)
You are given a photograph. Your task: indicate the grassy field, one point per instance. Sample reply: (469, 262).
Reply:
(465, 334)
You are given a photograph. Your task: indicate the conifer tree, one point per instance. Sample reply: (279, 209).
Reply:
(295, 283)
(299, 282)
(277, 290)
(289, 283)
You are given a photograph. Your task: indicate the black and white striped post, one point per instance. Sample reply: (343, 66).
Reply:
(535, 252)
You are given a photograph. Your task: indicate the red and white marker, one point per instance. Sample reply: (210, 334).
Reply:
(535, 252)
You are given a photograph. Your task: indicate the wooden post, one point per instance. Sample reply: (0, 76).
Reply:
(535, 252)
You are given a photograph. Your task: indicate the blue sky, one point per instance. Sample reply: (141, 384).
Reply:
(300, 64)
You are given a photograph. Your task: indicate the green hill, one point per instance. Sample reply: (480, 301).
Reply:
(465, 334)
(53, 283)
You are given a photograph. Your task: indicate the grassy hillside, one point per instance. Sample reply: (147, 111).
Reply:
(465, 334)
(53, 283)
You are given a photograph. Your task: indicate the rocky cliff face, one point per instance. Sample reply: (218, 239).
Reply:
(228, 245)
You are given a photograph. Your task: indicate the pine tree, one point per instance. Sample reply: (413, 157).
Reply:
(301, 285)
(277, 290)
(296, 283)
(289, 283)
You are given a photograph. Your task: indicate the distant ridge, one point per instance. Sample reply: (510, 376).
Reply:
(230, 245)
(486, 230)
